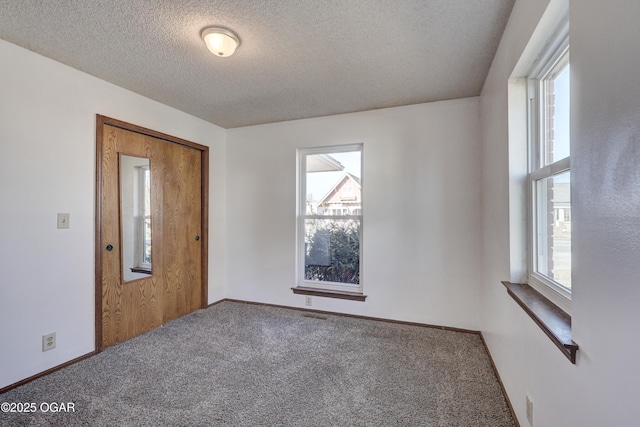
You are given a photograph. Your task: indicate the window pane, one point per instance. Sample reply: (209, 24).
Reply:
(553, 196)
(556, 112)
(333, 184)
(332, 250)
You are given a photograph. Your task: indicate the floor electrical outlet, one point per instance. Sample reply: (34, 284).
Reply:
(307, 301)
(529, 410)
(49, 341)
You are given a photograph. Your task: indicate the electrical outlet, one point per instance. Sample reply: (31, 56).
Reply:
(49, 341)
(529, 403)
(307, 301)
(63, 220)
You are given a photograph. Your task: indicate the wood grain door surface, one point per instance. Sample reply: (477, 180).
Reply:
(181, 231)
(175, 286)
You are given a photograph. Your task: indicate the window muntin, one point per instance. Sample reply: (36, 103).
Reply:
(330, 218)
(550, 177)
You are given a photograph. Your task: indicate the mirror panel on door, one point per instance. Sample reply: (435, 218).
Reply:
(135, 217)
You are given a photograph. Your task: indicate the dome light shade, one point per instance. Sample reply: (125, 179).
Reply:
(221, 42)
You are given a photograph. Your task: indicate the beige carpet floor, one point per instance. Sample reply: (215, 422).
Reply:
(237, 364)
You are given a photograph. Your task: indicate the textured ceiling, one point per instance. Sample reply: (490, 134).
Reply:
(297, 58)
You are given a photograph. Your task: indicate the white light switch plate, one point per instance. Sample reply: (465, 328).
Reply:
(63, 220)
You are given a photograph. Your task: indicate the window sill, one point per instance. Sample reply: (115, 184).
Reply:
(353, 296)
(554, 322)
(142, 270)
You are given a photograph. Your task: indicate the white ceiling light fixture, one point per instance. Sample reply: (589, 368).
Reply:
(220, 41)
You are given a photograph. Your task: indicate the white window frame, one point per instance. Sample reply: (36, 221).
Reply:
(301, 216)
(555, 53)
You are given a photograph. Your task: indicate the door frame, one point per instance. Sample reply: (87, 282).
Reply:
(101, 121)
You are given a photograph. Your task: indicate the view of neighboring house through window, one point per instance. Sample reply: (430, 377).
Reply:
(550, 177)
(330, 217)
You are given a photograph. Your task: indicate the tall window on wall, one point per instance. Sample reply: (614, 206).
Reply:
(550, 173)
(330, 218)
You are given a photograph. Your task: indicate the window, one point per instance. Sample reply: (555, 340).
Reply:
(330, 224)
(540, 179)
(549, 174)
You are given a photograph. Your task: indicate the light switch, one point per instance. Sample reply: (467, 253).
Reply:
(63, 220)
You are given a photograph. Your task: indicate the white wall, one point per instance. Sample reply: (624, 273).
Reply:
(421, 204)
(603, 387)
(47, 165)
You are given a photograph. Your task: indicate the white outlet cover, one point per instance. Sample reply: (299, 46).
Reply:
(529, 409)
(49, 341)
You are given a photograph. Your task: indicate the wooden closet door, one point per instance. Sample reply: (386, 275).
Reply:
(177, 285)
(181, 231)
(134, 307)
